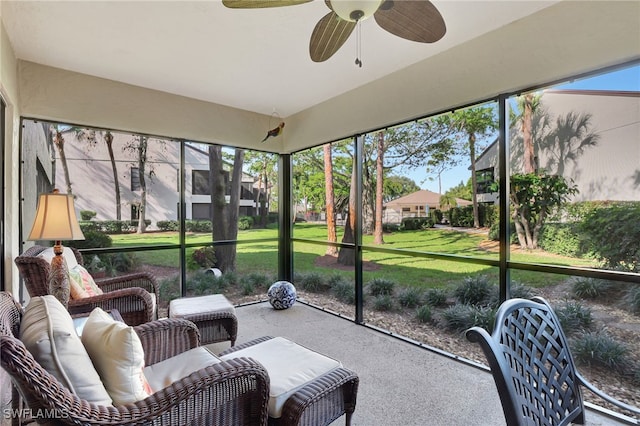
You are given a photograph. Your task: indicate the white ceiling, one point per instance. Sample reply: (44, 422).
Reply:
(255, 60)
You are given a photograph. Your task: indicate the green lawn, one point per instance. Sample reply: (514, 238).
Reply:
(409, 270)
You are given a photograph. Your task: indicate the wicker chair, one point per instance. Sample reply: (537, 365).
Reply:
(132, 294)
(532, 366)
(230, 393)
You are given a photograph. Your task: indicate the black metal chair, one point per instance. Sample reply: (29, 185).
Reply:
(532, 366)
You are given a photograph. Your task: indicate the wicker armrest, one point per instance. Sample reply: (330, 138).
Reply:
(230, 393)
(135, 304)
(328, 396)
(168, 337)
(143, 280)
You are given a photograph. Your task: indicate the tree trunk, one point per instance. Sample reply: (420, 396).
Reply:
(347, 256)
(474, 196)
(58, 140)
(377, 231)
(527, 136)
(368, 201)
(108, 138)
(217, 189)
(330, 201)
(142, 161)
(224, 218)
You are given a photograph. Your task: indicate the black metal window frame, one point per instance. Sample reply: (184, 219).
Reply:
(286, 239)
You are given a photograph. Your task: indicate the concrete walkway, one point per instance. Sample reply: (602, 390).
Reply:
(400, 383)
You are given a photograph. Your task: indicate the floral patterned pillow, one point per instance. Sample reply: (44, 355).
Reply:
(82, 284)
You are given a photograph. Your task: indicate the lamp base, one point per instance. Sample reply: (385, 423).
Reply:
(59, 278)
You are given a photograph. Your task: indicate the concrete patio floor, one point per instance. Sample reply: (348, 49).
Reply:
(400, 383)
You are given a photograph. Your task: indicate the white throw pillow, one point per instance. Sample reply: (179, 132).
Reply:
(118, 356)
(48, 333)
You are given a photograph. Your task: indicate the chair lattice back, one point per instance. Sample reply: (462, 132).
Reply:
(532, 366)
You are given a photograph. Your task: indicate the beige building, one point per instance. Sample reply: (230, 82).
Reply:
(602, 158)
(416, 204)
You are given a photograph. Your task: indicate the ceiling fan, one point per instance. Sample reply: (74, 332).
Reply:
(416, 20)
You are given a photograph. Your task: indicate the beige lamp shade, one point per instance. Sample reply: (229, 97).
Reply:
(56, 219)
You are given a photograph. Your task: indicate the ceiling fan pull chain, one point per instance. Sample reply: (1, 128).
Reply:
(358, 43)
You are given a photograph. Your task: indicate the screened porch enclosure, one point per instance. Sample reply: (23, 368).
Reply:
(149, 203)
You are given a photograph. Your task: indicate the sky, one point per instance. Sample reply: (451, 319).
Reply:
(623, 79)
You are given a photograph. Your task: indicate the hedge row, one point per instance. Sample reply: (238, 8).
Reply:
(463, 216)
(111, 226)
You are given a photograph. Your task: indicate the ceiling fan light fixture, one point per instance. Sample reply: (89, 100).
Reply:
(355, 10)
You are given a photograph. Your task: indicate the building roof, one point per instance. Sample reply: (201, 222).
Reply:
(421, 198)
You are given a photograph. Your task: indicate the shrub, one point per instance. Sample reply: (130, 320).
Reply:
(561, 238)
(474, 290)
(463, 216)
(168, 225)
(92, 239)
(436, 297)
(247, 287)
(258, 280)
(391, 227)
(494, 232)
(198, 226)
(169, 289)
(590, 288)
(312, 281)
(599, 348)
(383, 302)
(410, 297)
(423, 313)
(436, 215)
(229, 279)
(87, 214)
(204, 257)
(335, 279)
(459, 318)
(344, 292)
(200, 283)
(632, 299)
(612, 234)
(381, 286)
(245, 222)
(574, 316)
(417, 223)
(516, 290)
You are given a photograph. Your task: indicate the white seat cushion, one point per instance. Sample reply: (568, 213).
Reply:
(179, 308)
(47, 331)
(170, 370)
(290, 366)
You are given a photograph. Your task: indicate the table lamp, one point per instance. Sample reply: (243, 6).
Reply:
(56, 221)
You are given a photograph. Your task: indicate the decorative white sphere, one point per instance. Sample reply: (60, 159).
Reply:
(282, 295)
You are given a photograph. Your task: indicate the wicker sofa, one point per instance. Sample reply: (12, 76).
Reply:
(133, 295)
(232, 392)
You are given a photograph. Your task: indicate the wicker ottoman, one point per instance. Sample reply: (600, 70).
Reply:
(214, 315)
(306, 388)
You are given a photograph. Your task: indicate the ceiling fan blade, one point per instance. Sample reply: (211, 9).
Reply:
(416, 20)
(260, 4)
(328, 36)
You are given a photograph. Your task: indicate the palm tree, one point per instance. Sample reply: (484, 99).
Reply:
(58, 141)
(474, 122)
(108, 139)
(447, 201)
